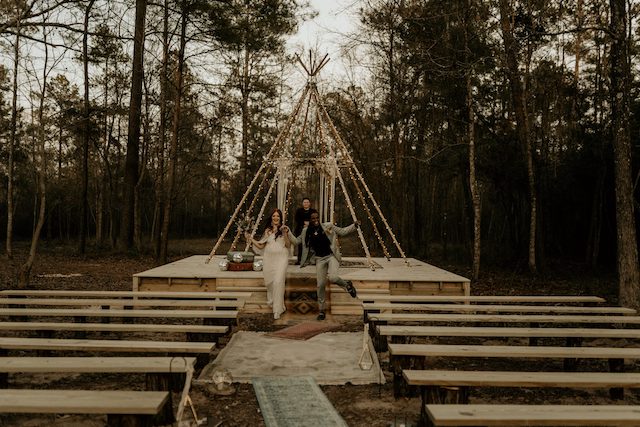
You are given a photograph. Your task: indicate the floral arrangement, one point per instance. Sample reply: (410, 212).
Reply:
(245, 224)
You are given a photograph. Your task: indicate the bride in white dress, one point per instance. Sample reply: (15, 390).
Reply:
(275, 246)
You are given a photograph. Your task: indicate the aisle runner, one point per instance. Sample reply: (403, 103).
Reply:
(295, 402)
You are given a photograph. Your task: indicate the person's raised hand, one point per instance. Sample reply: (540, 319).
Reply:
(284, 229)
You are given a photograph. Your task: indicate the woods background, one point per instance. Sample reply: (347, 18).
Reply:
(505, 131)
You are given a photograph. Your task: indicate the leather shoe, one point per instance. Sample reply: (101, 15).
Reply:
(351, 289)
(321, 316)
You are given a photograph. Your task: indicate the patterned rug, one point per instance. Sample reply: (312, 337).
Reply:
(294, 402)
(305, 330)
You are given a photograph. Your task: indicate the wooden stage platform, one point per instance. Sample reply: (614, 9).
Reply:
(393, 277)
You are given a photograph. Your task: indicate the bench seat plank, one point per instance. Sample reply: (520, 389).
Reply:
(434, 350)
(190, 314)
(539, 415)
(112, 327)
(123, 302)
(482, 298)
(140, 365)
(550, 309)
(479, 331)
(105, 345)
(520, 379)
(126, 294)
(502, 318)
(82, 401)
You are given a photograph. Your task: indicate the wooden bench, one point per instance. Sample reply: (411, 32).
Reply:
(245, 289)
(123, 408)
(551, 299)
(125, 294)
(573, 336)
(113, 327)
(530, 415)
(403, 356)
(533, 320)
(80, 312)
(8, 343)
(548, 309)
(453, 386)
(503, 318)
(157, 370)
(128, 302)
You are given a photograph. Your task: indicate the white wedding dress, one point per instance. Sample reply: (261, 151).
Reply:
(275, 262)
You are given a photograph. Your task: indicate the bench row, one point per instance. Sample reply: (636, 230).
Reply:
(123, 408)
(436, 386)
(533, 415)
(125, 294)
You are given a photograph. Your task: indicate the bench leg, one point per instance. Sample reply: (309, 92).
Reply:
(616, 365)
(114, 420)
(437, 394)
(48, 335)
(533, 341)
(400, 387)
(571, 365)
(379, 341)
(161, 382)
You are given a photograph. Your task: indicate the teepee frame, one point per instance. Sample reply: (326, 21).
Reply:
(286, 159)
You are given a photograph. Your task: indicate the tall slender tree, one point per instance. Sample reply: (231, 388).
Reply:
(133, 135)
(173, 148)
(627, 243)
(519, 97)
(40, 164)
(14, 134)
(86, 132)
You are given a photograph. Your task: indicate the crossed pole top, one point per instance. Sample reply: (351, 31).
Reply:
(314, 67)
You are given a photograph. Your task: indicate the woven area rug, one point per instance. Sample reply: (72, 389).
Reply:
(331, 358)
(304, 331)
(295, 402)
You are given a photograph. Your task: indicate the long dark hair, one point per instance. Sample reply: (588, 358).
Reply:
(268, 223)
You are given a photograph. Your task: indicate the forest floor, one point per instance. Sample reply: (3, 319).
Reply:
(362, 405)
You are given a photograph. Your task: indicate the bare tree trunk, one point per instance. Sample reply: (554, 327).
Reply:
(173, 149)
(133, 143)
(218, 209)
(137, 229)
(159, 208)
(12, 144)
(101, 182)
(84, 202)
(473, 181)
(519, 96)
(40, 164)
(578, 40)
(244, 161)
(628, 269)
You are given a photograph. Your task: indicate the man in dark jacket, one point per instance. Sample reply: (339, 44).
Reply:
(301, 220)
(320, 241)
